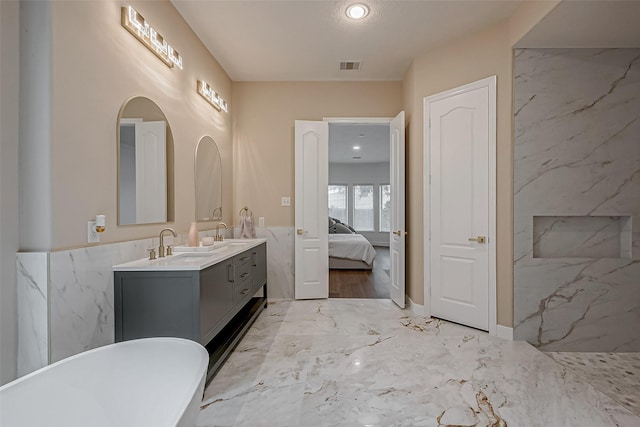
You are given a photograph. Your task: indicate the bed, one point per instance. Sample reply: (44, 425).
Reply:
(350, 252)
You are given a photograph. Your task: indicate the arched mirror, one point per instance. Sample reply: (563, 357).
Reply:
(145, 164)
(208, 175)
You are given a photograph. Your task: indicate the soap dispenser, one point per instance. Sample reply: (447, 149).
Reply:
(193, 235)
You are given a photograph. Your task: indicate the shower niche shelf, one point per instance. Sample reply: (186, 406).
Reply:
(582, 236)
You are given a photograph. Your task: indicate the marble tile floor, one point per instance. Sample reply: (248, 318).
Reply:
(615, 374)
(356, 362)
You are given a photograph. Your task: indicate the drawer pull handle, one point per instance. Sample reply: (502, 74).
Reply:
(244, 258)
(244, 291)
(243, 275)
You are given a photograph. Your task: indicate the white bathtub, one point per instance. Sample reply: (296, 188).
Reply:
(149, 382)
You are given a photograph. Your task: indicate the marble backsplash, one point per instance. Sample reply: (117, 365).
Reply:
(65, 298)
(577, 199)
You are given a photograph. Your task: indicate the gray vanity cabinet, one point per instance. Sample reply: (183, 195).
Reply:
(151, 304)
(190, 304)
(259, 259)
(216, 298)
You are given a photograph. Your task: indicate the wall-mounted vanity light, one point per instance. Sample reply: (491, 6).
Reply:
(148, 36)
(207, 92)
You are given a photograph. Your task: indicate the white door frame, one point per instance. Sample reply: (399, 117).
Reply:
(489, 82)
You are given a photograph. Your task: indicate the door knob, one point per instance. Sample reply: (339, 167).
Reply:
(479, 239)
(399, 233)
(300, 231)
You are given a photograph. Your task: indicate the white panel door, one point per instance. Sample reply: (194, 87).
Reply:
(460, 140)
(312, 232)
(397, 235)
(151, 172)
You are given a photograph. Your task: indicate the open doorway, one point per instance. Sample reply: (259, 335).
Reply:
(359, 207)
(311, 207)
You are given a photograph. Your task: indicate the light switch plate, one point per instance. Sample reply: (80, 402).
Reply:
(92, 235)
(285, 201)
(261, 221)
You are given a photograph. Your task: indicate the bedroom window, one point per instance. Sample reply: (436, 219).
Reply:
(385, 208)
(338, 203)
(363, 207)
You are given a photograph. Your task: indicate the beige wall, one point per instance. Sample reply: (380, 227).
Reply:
(482, 55)
(264, 115)
(472, 58)
(97, 65)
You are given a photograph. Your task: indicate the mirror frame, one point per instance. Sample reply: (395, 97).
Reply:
(170, 161)
(195, 182)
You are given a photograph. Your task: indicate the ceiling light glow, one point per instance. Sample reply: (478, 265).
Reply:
(356, 147)
(357, 11)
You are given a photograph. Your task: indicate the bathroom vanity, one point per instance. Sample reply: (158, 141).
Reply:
(209, 297)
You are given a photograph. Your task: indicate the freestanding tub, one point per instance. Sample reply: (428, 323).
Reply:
(148, 382)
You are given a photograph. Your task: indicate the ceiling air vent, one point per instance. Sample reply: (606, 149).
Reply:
(349, 65)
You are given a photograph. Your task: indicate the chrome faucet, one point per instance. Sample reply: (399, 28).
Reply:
(161, 248)
(219, 237)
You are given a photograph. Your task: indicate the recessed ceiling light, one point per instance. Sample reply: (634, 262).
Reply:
(356, 147)
(357, 11)
(361, 135)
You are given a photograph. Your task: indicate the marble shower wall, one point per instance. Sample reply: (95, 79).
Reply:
(65, 298)
(577, 199)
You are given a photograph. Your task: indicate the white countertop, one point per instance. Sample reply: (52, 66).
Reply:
(191, 260)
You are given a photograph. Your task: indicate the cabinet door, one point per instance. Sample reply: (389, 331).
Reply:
(259, 261)
(156, 305)
(216, 297)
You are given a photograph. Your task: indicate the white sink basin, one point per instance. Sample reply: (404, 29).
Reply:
(211, 248)
(187, 258)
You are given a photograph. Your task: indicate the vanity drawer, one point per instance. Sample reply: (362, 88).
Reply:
(243, 287)
(244, 259)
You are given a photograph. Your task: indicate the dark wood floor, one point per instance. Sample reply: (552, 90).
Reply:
(362, 283)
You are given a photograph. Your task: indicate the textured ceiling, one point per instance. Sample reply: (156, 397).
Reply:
(304, 40)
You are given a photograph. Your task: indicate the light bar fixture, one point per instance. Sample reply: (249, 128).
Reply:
(148, 36)
(207, 92)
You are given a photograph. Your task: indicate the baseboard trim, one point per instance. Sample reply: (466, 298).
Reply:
(416, 309)
(504, 332)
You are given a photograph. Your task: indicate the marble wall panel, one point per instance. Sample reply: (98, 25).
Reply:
(33, 299)
(66, 297)
(81, 284)
(576, 154)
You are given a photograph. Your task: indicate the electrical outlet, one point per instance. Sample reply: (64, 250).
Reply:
(92, 235)
(285, 201)
(261, 221)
